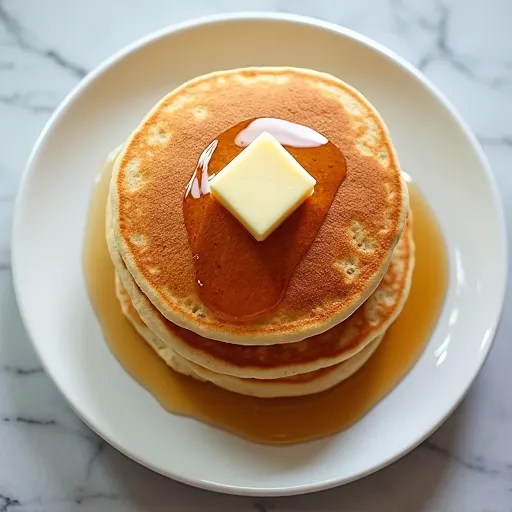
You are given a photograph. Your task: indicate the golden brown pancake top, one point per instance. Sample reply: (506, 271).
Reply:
(353, 247)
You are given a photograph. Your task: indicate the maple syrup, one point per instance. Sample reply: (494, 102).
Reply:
(277, 420)
(239, 278)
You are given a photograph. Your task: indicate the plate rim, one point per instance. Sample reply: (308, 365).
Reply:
(338, 30)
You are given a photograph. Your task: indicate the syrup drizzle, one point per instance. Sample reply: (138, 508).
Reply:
(238, 278)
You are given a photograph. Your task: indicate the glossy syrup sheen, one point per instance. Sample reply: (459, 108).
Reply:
(281, 421)
(237, 277)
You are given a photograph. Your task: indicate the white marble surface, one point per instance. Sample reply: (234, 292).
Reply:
(49, 461)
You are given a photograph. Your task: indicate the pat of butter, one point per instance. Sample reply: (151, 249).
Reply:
(262, 186)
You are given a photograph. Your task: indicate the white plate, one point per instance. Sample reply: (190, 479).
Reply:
(434, 146)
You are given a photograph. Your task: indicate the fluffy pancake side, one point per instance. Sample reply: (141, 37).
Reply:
(299, 385)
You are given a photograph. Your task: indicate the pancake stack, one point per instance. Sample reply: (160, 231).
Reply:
(345, 292)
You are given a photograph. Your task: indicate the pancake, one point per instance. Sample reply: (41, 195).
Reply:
(282, 360)
(353, 247)
(172, 359)
(299, 385)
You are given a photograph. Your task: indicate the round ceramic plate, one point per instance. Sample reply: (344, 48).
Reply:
(435, 147)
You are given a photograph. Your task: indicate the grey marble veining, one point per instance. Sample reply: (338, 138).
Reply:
(49, 461)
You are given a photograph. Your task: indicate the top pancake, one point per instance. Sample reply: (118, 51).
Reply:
(353, 247)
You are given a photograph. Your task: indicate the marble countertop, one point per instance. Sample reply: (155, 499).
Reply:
(50, 461)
